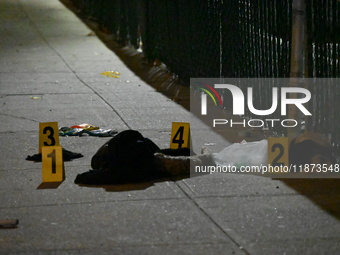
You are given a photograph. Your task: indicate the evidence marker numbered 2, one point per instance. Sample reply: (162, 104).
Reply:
(278, 154)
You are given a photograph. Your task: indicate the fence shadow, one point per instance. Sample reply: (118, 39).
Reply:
(325, 193)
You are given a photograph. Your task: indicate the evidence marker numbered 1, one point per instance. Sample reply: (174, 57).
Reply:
(52, 164)
(180, 135)
(278, 154)
(48, 134)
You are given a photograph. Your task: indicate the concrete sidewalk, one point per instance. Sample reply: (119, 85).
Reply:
(50, 69)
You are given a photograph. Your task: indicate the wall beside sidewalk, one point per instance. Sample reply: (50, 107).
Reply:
(238, 38)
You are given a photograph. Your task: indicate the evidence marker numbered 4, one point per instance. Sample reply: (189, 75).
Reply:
(180, 135)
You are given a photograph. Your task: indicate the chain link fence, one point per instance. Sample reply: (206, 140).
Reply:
(219, 38)
(236, 38)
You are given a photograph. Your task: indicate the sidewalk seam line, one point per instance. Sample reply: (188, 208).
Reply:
(69, 67)
(212, 220)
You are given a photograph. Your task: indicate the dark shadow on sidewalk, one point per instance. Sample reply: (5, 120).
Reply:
(135, 185)
(49, 185)
(325, 193)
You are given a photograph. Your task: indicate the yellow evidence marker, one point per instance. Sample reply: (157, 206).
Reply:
(180, 135)
(52, 164)
(48, 134)
(278, 151)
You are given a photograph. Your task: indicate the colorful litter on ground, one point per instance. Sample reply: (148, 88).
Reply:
(86, 129)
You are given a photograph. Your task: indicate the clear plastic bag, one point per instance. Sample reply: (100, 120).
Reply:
(243, 154)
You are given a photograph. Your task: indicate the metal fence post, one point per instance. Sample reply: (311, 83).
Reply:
(298, 58)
